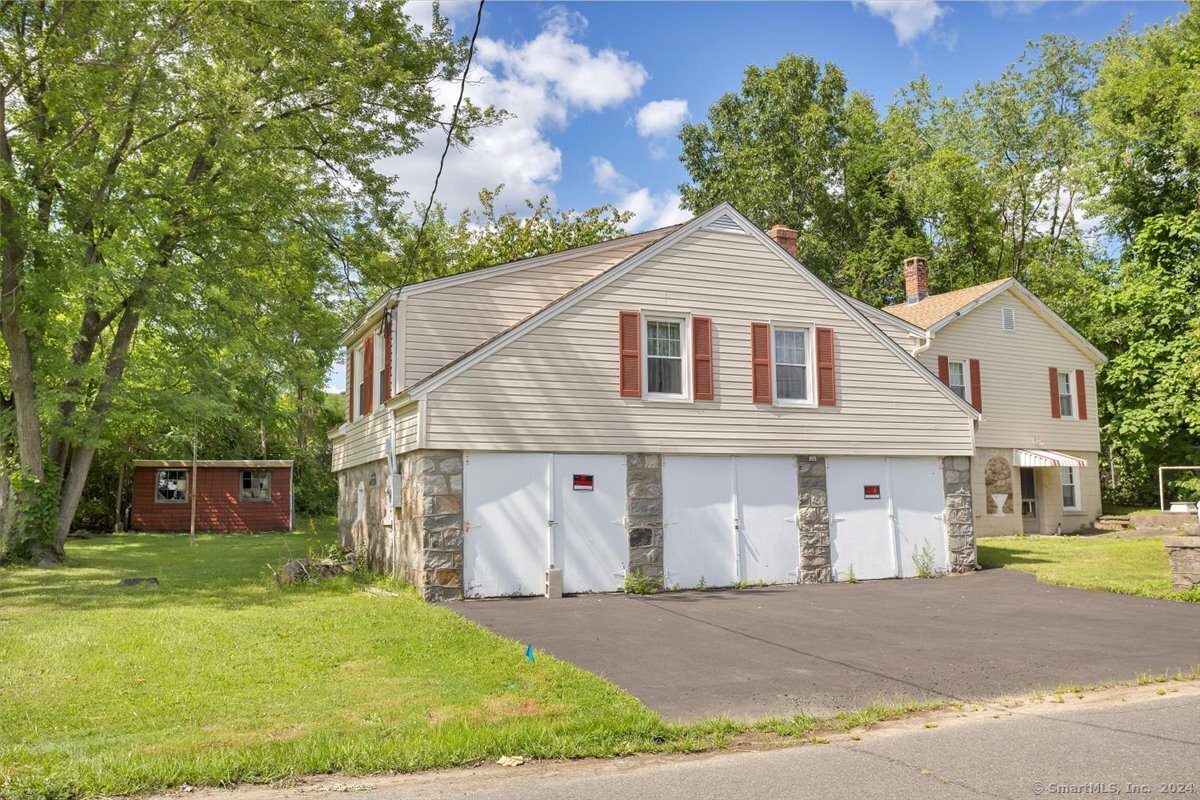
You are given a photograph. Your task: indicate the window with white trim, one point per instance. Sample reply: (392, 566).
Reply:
(256, 485)
(1066, 400)
(958, 380)
(1070, 489)
(380, 370)
(171, 486)
(790, 355)
(666, 366)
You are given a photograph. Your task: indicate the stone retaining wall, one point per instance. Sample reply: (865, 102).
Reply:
(1184, 552)
(958, 514)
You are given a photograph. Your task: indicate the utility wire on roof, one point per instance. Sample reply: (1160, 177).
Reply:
(462, 89)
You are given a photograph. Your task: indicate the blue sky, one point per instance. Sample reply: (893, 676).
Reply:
(598, 89)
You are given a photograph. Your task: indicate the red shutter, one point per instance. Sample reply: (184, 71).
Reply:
(944, 369)
(368, 372)
(760, 362)
(388, 337)
(976, 388)
(349, 384)
(702, 361)
(630, 359)
(1082, 389)
(1055, 412)
(826, 370)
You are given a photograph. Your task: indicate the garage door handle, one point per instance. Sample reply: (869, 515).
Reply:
(839, 519)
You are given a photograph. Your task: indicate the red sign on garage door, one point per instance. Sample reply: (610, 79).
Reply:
(871, 493)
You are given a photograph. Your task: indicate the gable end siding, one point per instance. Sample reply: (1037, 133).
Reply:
(442, 324)
(554, 386)
(1014, 367)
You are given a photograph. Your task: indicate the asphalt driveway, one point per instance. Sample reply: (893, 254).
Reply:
(823, 648)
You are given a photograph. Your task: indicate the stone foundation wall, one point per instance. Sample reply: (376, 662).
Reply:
(958, 514)
(644, 509)
(816, 564)
(1184, 552)
(369, 535)
(432, 521)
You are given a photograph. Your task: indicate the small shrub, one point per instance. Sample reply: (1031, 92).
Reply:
(638, 583)
(702, 584)
(850, 576)
(923, 560)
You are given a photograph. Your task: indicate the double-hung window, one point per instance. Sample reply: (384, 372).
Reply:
(1066, 400)
(171, 486)
(958, 379)
(666, 372)
(791, 359)
(256, 485)
(1070, 489)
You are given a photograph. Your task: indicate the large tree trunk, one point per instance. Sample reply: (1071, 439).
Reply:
(81, 456)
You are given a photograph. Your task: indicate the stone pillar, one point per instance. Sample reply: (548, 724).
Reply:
(643, 493)
(435, 502)
(958, 514)
(1184, 552)
(816, 565)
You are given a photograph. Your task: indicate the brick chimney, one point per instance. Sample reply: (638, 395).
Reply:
(785, 237)
(916, 279)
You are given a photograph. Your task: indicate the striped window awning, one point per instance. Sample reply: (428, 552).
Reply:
(1045, 458)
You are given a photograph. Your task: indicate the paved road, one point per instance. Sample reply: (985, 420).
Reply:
(761, 652)
(1116, 738)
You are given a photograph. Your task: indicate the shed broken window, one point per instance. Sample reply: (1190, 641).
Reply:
(256, 484)
(172, 486)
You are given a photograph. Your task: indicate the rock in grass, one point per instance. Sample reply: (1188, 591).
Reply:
(138, 582)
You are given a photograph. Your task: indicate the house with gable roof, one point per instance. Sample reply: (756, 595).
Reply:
(687, 405)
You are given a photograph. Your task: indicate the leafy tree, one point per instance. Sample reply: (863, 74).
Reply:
(155, 161)
(774, 151)
(1145, 111)
(487, 237)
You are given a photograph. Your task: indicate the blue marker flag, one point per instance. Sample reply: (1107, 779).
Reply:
(529, 653)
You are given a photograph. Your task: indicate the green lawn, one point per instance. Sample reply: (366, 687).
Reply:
(1106, 562)
(219, 676)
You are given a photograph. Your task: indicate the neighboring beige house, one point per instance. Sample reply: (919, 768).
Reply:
(688, 405)
(1033, 378)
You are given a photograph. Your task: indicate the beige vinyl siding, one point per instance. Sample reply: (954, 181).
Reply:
(362, 441)
(556, 387)
(442, 324)
(406, 427)
(1014, 373)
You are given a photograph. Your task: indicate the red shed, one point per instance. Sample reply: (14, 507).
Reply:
(230, 496)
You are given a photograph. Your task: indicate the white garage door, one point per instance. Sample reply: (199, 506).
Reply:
(770, 540)
(729, 519)
(506, 502)
(919, 500)
(514, 522)
(880, 510)
(590, 523)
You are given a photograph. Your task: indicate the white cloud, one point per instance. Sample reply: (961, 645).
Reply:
(650, 209)
(909, 18)
(661, 117)
(543, 83)
(1004, 8)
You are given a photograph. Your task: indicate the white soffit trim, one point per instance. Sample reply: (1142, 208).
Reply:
(1045, 458)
